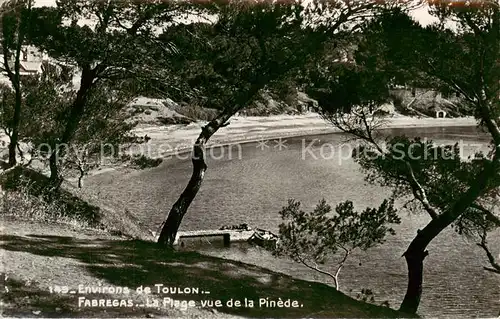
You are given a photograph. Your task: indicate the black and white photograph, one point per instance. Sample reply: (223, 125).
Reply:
(250, 159)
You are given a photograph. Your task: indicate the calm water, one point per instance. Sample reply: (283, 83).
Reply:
(250, 184)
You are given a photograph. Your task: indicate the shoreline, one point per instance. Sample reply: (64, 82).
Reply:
(254, 129)
(179, 139)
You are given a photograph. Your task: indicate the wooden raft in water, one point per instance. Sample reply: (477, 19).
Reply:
(228, 235)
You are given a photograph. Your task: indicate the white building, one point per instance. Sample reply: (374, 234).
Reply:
(31, 60)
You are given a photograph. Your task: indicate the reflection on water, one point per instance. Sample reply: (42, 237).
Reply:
(253, 185)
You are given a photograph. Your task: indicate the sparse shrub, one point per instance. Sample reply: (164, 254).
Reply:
(331, 236)
(136, 110)
(142, 162)
(398, 100)
(381, 113)
(21, 204)
(33, 185)
(366, 295)
(266, 106)
(174, 120)
(193, 111)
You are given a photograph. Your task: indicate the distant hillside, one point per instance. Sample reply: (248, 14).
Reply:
(145, 110)
(267, 105)
(412, 102)
(426, 102)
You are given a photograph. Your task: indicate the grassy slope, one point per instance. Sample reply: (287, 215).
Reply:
(77, 204)
(36, 255)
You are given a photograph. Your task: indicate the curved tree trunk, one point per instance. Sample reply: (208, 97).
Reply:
(75, 116)
(415, 262)
(87, 82)
(16, 122)
(80, 178)
(15, 79)
(416, 252)
(179, 209)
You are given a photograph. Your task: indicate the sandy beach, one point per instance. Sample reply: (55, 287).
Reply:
(169, 140)
(173, 139)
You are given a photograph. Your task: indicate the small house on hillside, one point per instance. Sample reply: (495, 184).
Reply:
(30, 61)
(440, 113)
(30, 68)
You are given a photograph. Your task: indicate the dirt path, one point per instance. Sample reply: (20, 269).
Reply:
(37, 256)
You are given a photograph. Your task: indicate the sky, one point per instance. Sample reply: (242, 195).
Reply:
(420, 14)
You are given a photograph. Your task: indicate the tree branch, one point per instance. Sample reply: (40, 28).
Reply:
(489, 215)
(419, 192)
(484, 245)
(341, 265)
(316, 268)
(7, 68)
